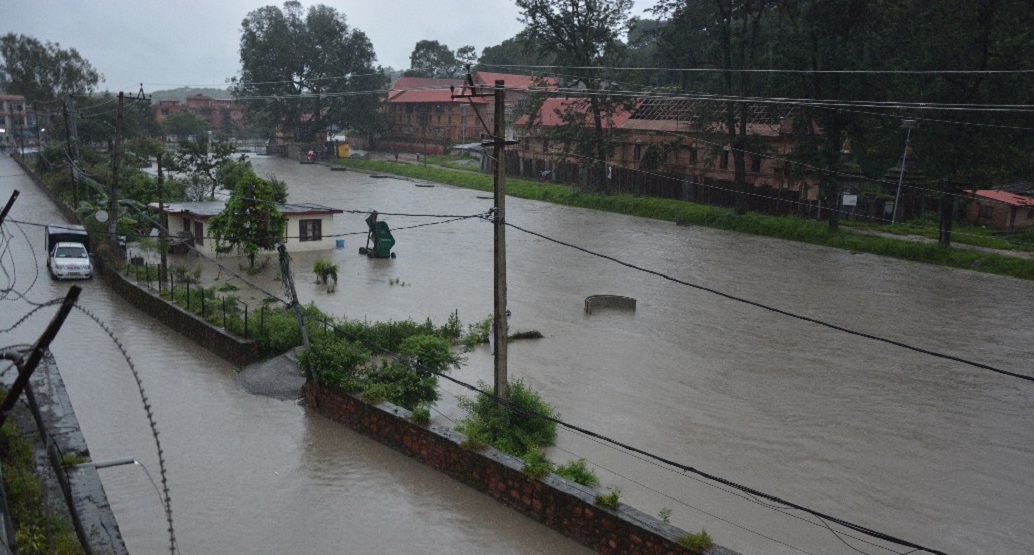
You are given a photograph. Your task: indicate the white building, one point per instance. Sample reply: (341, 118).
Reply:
(306, 224)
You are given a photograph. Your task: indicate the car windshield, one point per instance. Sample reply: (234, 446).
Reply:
(71, 252)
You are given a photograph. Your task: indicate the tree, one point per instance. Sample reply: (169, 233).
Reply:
(44, 72)
(431, 58)
(202, 160)
(515, 51)
(250, 222)
(183, 124)
(298, 69)
(584, 35)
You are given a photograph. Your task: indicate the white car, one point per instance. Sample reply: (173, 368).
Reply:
(70, 261)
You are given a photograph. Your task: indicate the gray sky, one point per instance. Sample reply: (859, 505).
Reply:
(175, 43)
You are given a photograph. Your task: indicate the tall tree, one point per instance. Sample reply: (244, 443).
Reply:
(732, 31)
(514, 51)
(251, 221)
(44, 72)
(584, 35)
(305, 70)
(431, 58)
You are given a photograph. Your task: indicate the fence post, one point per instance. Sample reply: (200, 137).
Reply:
(188, 294)
(202, 291)
(172, 288)
(224, 313)
(262, 319)
(245, 320)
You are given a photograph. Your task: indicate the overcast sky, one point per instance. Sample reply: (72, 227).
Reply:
(175, 43)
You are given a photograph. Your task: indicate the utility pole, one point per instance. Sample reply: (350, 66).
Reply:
(948, 192)
(163, 224)
(113, 188)
(285, 271)
(498, 141)
(499, 222)
(908, 125)
(72, 157)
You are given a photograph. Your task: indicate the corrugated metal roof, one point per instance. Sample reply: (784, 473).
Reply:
(207, 209)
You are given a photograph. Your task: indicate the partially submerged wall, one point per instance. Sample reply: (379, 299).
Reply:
(560, 504)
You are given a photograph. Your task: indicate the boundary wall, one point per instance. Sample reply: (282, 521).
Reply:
(564, 506)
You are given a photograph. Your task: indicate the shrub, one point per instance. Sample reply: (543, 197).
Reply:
(578, 472)
(701, 540)
(516, 427)
(609, 499)
(421, 414)
(536, 464)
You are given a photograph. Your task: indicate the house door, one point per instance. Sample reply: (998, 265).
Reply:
(199, 233)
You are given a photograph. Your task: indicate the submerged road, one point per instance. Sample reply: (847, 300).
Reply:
(923, 448)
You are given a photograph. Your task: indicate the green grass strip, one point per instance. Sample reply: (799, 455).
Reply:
(793, 228)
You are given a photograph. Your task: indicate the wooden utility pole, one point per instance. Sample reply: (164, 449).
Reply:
(163, 225)
(116, 154)
(499, 317)
(948, 192)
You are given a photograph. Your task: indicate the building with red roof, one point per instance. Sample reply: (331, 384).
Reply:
(1000, 209)
(425, 117)
(661, 147)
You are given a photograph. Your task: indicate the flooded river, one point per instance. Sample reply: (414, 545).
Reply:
(926, 449)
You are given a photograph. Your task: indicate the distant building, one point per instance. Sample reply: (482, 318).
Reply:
(17, 123)
(1000, 209)
(425, 117)
(221, 114)
(307, 224)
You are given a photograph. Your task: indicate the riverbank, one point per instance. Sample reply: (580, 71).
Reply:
(860, 239)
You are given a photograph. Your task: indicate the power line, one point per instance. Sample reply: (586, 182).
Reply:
(778, 310)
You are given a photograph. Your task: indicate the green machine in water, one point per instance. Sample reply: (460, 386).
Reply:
(380, 237)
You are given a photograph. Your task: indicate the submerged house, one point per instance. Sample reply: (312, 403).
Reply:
(308, 224)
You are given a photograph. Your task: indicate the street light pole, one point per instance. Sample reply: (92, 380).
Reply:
(908, 125)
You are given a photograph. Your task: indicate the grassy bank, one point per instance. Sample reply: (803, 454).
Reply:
(686, 213)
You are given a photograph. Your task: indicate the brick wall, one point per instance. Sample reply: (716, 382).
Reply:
(553, 501)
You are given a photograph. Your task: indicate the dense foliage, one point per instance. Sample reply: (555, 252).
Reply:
(298, 66)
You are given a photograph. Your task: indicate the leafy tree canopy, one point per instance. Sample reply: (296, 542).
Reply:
(183, 124)
(431, 58)
(297, 68)
(202, 161)
(251, 221)
(43, 72)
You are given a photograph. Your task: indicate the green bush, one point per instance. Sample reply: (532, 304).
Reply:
(578, 472)
(610, 499)
(701, 540)
(536, 464)
(515, 430)
(421, 414)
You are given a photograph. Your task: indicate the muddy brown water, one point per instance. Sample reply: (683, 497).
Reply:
(926, 449)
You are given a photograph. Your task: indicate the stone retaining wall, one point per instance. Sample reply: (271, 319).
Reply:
(560, 504)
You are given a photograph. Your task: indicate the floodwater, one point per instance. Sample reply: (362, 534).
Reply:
(932, 451)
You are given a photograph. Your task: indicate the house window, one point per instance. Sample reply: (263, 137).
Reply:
(545, 144)
(637, 152)
(693, 156)
(986, 211)
(724, 162)
(310, 230)
(199, 233)
(755, 163)
(1030, 214)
